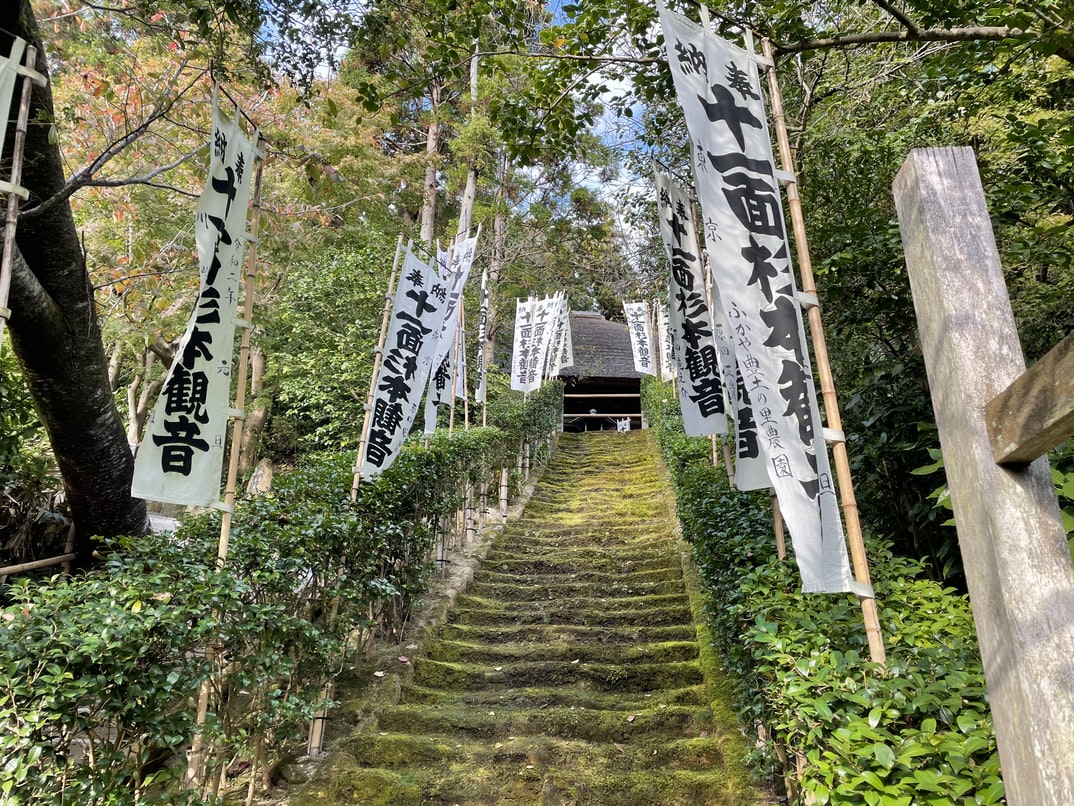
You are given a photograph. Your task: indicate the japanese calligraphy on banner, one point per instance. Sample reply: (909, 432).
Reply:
(522, 351)
(663, 339)
(720, 93)
(641, 336)
(480, 388)
(455, 268)
(9, 73)
(561, 352)
(417, 315)
(698, 370)
(181, 456)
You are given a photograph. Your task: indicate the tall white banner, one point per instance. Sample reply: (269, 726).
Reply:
(702, 396)
(562, 354)
(641, 336)
(720, 93)
(181, 456)
(455, 271)
(417, 316)
(663, 338)
(525, 377)
(481, 383)
(9, 73)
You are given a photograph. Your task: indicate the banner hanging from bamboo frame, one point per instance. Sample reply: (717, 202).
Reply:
(181, 456)
(719, 90)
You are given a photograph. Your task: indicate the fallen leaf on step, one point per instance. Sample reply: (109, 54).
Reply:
(404, 659)
(631, 718)
(379, 674)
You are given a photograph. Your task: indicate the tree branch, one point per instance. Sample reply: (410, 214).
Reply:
(905, 21)
(84, 176)
(930, 35)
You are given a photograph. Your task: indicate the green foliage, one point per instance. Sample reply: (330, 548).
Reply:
(98, 673)
(915, 731)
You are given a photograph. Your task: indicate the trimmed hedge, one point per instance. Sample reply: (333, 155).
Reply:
(844, 730)
(99, 673)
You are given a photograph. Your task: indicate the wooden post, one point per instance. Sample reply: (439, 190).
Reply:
(503, 495)
(777, 522)
(14, 189)
(1013, 545)
(834, 430)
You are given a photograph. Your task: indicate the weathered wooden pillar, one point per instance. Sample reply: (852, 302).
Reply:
(1014, 548)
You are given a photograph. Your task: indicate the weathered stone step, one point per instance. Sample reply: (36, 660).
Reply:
(598, 600)
(390, 750)
(633, 679)
(556, 697)
(497, 724)
(494, 655)
(568, 613)
(560, 589)
(527, 784)
(564, 563)
(609, 534)
(595, 578)
(640, 550)
(563, 634)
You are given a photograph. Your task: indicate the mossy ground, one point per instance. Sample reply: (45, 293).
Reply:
(570, 671)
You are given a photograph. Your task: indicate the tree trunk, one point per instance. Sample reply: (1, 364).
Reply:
(432, 154)
(56, 337)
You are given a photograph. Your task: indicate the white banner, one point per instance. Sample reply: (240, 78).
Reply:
(562, 355)
(700, 378)
(417, 315)
(719, 90)
(9, 73)
(663, 338)
(641, 336)
(522, 378)
(455, 270)
(480, 391)
(182, 454)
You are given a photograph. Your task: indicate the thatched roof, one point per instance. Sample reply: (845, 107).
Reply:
(601, 348)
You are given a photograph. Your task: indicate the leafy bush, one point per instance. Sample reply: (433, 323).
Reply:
(916, 731)
(99, 673)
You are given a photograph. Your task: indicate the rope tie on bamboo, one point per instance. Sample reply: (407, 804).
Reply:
(222, 507)
(18, 190)
(834, 435)
(807, 300)
(31, 74)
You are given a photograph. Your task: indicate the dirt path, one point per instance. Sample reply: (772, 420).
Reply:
(569, 671)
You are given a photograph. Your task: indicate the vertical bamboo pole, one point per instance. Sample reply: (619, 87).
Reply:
(503, 494)
(777, 519)
(378, 357)
(824, 370)
(455, 369)
(15, 193)
(194, 775)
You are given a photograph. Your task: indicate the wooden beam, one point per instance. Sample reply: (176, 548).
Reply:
(1013, 544)
(1036, 412)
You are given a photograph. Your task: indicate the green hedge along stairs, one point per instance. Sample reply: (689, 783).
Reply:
(569, 672)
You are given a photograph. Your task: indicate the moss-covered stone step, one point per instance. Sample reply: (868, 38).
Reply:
(599, 601)
(531, 785)
(592, 577)
(568, 615)
(673, 721)
(566, 634)
(524, 590)
(393, 751)
(612, 534)
(496, 654)
(632, 679)
(649, 552)
(564, 563)
(556, 697)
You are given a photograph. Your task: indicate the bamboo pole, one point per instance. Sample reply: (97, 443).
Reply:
(15, 192)
(503, 494)
(455, 369)
(195, 770)
(777, 520)
(378, 357)
(824, 370)
(33, 564)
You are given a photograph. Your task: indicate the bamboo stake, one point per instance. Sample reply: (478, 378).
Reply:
(777, 520)
(12, 218)
(820, 353)
(455, 370)
(193, 777)
(378, 357)
(33, 564)
(503, 494)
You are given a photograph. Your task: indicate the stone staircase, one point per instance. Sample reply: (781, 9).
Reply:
(569, 672)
